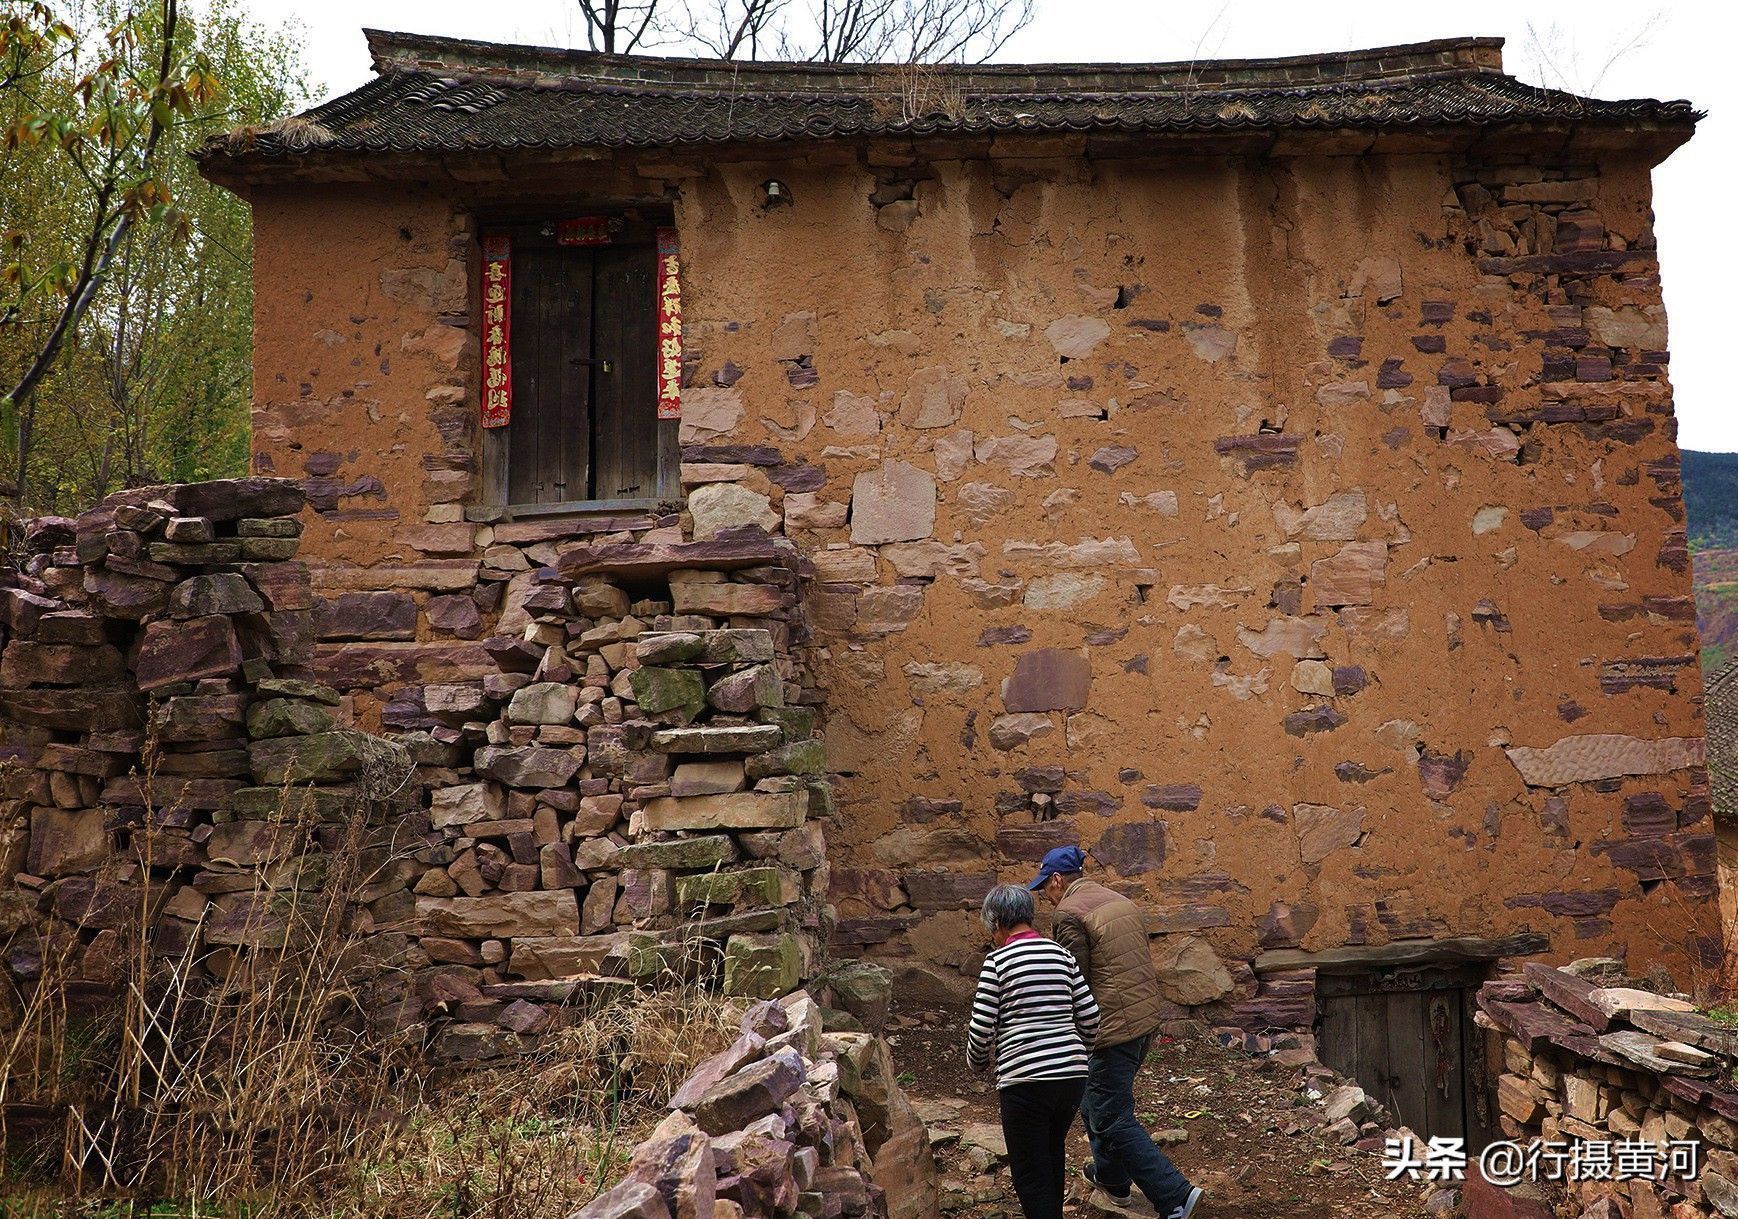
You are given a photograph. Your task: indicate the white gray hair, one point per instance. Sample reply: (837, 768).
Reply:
(1008, 906)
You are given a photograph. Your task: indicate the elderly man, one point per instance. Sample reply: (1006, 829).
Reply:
(1106, 934)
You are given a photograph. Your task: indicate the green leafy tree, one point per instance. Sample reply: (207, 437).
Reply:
(125, 332)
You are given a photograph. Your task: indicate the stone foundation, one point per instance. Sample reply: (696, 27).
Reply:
(628, 789)
(1588, 1059)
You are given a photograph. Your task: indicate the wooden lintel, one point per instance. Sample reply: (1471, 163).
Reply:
(1404, 952)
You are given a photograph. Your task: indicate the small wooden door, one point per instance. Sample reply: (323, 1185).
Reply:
(584, 425)
(1408, 1038)
(624, 411)
(549, 439)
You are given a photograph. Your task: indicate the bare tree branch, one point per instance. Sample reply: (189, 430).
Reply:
(617, 26)
(833, 31)
(729, 29)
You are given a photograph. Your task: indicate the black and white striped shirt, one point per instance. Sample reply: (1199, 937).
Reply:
(1033, 1015)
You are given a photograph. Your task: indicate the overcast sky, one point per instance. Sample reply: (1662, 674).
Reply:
(1600, 47)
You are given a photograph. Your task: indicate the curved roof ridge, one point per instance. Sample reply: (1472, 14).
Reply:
(399, 51)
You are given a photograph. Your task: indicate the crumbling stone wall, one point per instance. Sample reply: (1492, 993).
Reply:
(631, 789)
(627, 789)
(1301, 535)
(164, 750)
(1589, 1060)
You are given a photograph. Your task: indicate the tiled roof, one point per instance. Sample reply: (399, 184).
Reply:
(1720, 713)
(453, 96)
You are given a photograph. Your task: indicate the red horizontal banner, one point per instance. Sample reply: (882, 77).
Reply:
(583, 230)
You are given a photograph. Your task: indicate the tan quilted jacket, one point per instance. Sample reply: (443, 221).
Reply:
(1107, 935)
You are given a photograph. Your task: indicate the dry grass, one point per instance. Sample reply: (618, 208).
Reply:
(539, 1139)
(255, 1079)
(913, 91)
(294, 132)
(204, 1072)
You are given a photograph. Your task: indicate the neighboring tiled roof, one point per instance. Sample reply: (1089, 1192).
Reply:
(1720, 714)
(451, 96)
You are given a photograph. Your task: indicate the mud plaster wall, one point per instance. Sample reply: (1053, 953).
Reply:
(1235, 518)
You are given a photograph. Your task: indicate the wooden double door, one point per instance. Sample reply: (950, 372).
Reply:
(585, 420)
(1407, 1036)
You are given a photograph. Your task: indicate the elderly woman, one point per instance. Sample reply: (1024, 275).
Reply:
(1035, 1019)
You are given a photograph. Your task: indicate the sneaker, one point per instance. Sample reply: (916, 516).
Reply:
(1188, 1205)
(1090, 1172)
(1101, 1201)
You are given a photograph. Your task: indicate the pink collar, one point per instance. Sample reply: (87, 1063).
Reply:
(1021, 935)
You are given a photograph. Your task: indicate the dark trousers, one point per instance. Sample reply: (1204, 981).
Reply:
(1123, 1153)
(1035, 1122)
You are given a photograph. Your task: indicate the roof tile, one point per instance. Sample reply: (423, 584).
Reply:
(454, 96)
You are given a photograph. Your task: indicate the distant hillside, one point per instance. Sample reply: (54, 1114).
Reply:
(1711, 498)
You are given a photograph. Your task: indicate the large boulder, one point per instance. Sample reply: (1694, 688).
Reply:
(658, 689)
(744, 1050)
(465, 803)
(1190, 972)
(533, 766)
(749, 810)
(895, 503)
(325, 757)
(543, 702)
(762, 966)
(371, 615)
(864, 989)
(745, 691)
(755, 1091)
(1048, 679)
(223, 592)
(59, 664)
(64, 841)
(676, 1159)
(631, 1199)
(231, 499)
(717, 507)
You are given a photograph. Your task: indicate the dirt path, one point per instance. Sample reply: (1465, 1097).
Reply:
(1246, 1139)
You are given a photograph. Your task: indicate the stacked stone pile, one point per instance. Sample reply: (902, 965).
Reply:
(1590, 1057)
(631, 795)
(794, 1119)
(156, 709)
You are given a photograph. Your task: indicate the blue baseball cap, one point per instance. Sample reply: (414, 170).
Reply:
(1063, 860)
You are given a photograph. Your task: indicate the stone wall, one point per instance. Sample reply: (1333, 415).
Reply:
(1300, 535)
(1590, 1059)
(164, 750)
(630, 787)
(627, 789)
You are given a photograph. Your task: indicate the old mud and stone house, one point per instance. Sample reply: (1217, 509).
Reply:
(1260, 472)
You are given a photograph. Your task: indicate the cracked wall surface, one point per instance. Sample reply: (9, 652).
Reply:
(1302, 536)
